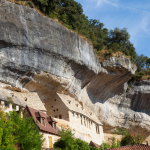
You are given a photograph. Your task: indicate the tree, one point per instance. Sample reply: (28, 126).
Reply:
(140, 62)
(14, 129)
(25, 132)
(131, 140)
(68, 142)
(120, 131)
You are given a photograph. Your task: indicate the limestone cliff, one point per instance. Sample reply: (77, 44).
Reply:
(38, 55)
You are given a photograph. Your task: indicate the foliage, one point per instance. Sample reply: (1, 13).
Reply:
(108, 146)
(30, 4)
(131, 140)
(10, 100)
(70, 14)
(120, 131)
(14, 129)
(68, 142)
(7, 140)
(127, 140)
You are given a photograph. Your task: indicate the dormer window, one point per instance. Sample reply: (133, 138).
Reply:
(43, 121)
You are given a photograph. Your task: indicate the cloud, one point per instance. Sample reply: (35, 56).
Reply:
(110, 2)
(145, 24)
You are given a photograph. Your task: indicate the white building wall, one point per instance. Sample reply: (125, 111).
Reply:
(46, 137)
(9, 107)
(85, 130)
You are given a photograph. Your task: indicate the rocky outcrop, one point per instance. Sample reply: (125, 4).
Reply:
(38, 55)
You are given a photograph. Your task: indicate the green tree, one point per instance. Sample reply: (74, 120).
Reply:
(68, 142)
(25, 132)
(120, 131)
(140, 62)
(7, 140)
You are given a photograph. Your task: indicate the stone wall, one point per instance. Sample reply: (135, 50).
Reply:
(108, 138)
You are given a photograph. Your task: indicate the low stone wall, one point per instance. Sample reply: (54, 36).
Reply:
(108, 137)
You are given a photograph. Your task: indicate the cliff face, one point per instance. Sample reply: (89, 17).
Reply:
(38, 55)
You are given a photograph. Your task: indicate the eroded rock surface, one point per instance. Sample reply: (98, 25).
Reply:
(39, 55)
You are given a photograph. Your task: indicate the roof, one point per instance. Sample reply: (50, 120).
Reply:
(35, 114)
(32, 98)
(4, 96)
(132, 147)
(50, 119)
(73, 107)
(94, 144)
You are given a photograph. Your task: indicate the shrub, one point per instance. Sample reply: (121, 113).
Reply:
(30, 4)
(10, 100)
(68, 142)
(130, 140)
(120, 131)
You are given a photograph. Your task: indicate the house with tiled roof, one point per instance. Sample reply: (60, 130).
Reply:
(132, 147)
(46, 124)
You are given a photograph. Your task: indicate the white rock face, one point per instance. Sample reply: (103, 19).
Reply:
(39, 55)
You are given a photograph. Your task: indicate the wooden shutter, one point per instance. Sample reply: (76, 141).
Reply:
(50, 142)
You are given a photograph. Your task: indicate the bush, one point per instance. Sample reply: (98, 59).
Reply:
(130, 140)
(120, 131)
(68, 142)
(30, 4)
(127, 140)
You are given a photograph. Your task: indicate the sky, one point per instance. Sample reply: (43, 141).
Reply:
(131, 14)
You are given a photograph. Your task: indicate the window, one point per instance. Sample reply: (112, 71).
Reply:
(43, 121)
(54, 109)
(77, 115)
(52, 106)
(72, 114)
(97, 129)
(57, 109)
(55, 126)
(55, 99)
(14, 106)
(7, 104)
(69, 101)
(55, 116)
(60, 117)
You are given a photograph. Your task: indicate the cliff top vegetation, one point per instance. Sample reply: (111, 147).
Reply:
(105, 42)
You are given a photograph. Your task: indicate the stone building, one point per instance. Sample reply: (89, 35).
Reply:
(72, 114)
(47, 126)
(11, 99)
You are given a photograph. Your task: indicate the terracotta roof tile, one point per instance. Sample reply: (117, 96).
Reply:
(47, 128)
(50, 119)
(94, 144)
(132, 147)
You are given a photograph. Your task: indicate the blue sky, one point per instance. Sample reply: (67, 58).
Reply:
(131, 14)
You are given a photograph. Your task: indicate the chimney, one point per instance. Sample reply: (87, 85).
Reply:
(147, 143)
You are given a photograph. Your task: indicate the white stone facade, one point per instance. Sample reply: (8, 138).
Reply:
(46, 139)
(71, 114)
(7, 107)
